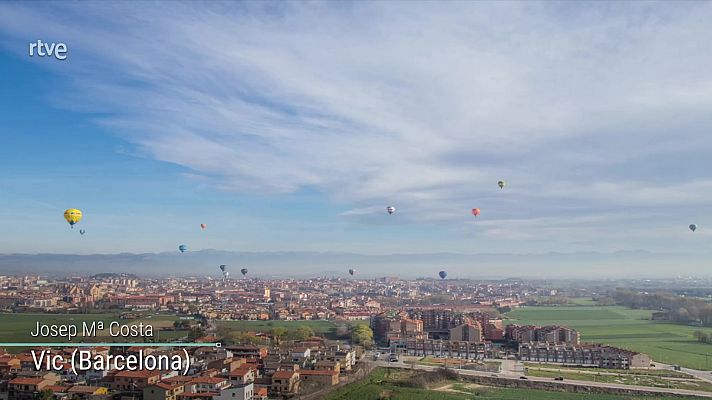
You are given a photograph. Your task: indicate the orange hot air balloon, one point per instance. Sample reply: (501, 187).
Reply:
(475, 211)
(203, 226)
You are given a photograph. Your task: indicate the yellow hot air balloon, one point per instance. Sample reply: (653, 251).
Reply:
(73, 216)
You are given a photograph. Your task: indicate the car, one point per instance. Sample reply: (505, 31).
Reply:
(494, 376)
(392, 358)
(523, 377)
(559, 378)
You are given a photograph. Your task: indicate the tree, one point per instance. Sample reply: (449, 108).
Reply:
(196, 333)
(362, 334)
(245, 338)
(45, 394)
(342, 331)
(301, 333)
(701, 336)
(278, 333)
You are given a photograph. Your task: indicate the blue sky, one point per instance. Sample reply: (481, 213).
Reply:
(292, 127)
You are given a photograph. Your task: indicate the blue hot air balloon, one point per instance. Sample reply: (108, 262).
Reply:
(693, 227)
(442, 274)
(82, 232)
(183, 248)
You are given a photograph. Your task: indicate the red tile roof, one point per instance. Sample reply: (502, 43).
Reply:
(26, 381)
(283, 374)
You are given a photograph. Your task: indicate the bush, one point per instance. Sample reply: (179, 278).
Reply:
(424, 380)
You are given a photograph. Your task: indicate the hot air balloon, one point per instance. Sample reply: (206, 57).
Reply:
(183, 248)
(222, 267)
(475, 211)
(73, 216)
(442, 274)
(502, 184)
(203, 226)
(390, 209)
(82, 231)
(243, 271)
(693, 227)
(351, 271)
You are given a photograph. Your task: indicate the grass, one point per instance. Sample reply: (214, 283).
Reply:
(631, 329)
(320, 327)
(625, 379)
(637, 371)
(383, 385)
(17, 327)
(582, 301)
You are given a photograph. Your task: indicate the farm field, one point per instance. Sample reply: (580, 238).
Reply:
(631, 329)
(17, 327)
(381, 385)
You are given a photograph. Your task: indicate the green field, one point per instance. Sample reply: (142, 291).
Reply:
(583, 301)
(17, 327)
(381, 385)
(632, 329)
(320, 327)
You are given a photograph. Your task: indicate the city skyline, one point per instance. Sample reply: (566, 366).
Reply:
(288, 128)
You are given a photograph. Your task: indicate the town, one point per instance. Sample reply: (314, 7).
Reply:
(257, 339)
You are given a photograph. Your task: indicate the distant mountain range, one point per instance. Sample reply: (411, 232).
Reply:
(623, 264)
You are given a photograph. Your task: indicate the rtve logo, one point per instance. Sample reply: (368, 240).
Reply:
(44, 49)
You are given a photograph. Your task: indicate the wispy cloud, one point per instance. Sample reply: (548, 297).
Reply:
(421, 105)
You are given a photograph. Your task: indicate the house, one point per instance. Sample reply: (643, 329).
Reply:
(197, 396)
(328, 365)
(285, 382)
(27, 388)
(205, 384)
(345, 358)
(300, 353)
(163, 391)
(236, 392)
(134, 380)
(248, 351)
(322, 377)
(86, 392)
(9, 364)
(242, 376)
(260, 394)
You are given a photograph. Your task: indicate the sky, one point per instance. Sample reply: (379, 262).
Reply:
(290, 126)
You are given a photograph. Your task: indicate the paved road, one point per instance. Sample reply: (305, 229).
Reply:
(464, 372)
(704, 375)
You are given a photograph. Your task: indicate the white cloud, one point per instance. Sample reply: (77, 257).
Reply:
(423, 106)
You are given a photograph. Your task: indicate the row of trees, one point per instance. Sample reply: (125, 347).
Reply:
(703, 337)
(680, 309)
(229, 336)
(359, 334)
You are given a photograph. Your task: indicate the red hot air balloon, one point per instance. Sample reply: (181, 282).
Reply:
(475, 211)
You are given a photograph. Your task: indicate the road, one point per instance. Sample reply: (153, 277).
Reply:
(704, 375)
(513, 376)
